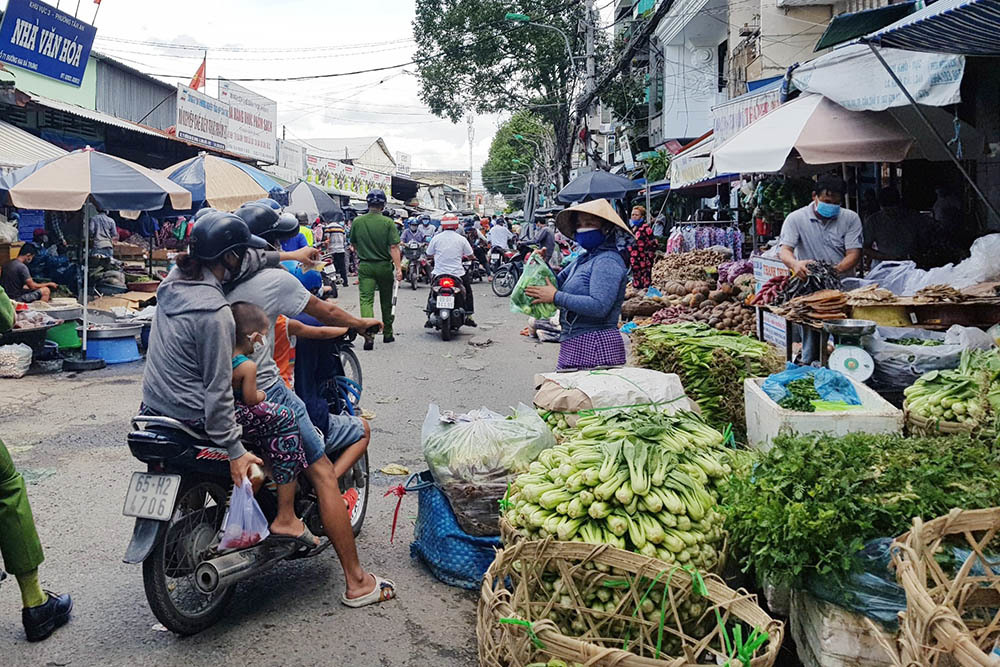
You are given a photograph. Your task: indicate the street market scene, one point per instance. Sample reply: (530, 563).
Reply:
(537, 334)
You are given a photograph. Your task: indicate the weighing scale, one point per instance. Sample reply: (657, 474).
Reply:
(848, 356)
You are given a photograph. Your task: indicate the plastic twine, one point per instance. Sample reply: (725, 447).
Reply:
(399, 491)
(529, 627)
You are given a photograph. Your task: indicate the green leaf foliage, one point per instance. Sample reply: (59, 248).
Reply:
(809, 505)
(505, 148)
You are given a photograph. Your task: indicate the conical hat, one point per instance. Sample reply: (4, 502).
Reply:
(602, 208)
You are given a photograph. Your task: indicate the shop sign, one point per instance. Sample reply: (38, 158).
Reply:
(736, 114)
(403, 161)
(292, 157)
(46, 41)
(688, 169)
(201, 119)
(328, 172)
(252, 122)
(853, 78)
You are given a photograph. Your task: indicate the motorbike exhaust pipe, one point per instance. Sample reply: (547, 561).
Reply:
(224, 571)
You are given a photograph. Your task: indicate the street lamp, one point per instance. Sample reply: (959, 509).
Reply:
(525, 19)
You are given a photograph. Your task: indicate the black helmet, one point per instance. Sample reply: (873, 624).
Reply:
(216, 233)
(376, 197)
(264, 220)
(203, 211)
(302, 217)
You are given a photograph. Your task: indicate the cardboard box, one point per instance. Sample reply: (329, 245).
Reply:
(9, 251)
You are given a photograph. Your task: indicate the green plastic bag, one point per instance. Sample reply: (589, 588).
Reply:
(6, 312)
(536, 271)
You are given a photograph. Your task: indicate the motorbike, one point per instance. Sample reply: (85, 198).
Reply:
(412, 253)
(497, 257)
(446, 306)
(506, 277)
(180, 501)
(475, 270)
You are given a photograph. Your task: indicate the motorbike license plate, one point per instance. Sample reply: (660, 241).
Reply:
(329, 269)
(151, 495)
(446, 302)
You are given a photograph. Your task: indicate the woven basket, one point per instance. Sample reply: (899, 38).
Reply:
(952, 613)
(921, 426)
(515, 623)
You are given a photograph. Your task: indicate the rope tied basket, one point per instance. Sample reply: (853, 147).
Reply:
(597, 605)
(950, 570)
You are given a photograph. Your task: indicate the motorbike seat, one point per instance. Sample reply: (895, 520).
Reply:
(159, 422)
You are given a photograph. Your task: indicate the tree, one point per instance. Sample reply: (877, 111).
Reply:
(477, 61)
(509, 154)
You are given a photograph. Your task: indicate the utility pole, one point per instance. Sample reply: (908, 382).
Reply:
(590, 83)
(472, 135)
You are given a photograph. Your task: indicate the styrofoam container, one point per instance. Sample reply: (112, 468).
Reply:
(766, 419)
(829, 636)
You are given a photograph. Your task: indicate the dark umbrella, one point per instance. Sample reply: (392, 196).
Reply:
(314, 201)
(596, 185)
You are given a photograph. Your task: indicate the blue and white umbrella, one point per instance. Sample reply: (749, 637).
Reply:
(221, 183)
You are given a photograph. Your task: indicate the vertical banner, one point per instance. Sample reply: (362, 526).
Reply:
(252, 122)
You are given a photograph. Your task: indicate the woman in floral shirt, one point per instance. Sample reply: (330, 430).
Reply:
(643, 251)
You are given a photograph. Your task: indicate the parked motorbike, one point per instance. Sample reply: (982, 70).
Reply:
(180, 501)
(446, 306)
(412, 253)
(506, 277)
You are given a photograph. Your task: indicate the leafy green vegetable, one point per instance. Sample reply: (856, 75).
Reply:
(801, 394)
(809, 505)
(536, 274)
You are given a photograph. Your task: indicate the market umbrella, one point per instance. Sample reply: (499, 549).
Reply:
(596, 185)
(823, 132)
(315, 202)
(222, 183)
(89, 178)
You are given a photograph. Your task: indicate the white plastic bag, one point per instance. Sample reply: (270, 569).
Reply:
(899, 366)
(245, 524)
(473, 456)
(15, 360)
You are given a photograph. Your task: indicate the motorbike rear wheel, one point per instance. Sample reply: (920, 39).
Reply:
(446, 328)
(412, 275)
(168, 573)
(503, 281)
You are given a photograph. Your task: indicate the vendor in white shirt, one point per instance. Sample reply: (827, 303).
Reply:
(448, 247)
(500, 236)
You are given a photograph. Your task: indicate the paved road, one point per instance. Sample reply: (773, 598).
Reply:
(67, 433)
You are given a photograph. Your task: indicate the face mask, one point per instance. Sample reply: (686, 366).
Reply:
(240, 273)
(589, 238)
(637, 223)
(259, 344)
(827, 210)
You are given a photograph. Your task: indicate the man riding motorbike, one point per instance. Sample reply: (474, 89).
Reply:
(478, 241)
(412, 232)
(426, 229)
(448, 248)
(277, 292)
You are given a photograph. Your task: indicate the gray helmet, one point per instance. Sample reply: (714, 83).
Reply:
(302, 217)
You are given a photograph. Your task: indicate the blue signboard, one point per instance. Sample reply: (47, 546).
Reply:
(44, 40)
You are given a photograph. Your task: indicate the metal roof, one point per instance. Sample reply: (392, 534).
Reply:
(96, 116)
(19, 148)
(846, 27)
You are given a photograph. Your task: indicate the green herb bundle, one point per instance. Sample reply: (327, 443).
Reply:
(809, 505)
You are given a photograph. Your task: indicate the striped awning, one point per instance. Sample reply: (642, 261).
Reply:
(966, 27)
(19, 148)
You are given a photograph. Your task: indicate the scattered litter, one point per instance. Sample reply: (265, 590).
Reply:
(367, 414)
(34, 476)
(159, 627)
(382, 400)
(480, 341)
(395, 469)
(420, 377)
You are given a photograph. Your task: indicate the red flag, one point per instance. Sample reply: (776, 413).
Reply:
(97, 2)
(198, 80)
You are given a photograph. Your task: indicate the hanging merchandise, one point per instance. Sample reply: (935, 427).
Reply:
(686, 237)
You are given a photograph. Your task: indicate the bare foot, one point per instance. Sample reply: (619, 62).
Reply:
(361, 589)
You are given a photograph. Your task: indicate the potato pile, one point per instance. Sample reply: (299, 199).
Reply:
(693, 265)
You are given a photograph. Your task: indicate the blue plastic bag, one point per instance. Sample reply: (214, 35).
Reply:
(454, 557)
(830, 385)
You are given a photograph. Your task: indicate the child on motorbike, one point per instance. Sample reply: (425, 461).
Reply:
(270, 427)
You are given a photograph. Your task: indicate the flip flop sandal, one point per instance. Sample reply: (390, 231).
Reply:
(384, 590)
(350, 499)
(305, 541)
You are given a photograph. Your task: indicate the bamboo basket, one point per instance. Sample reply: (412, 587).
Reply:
(515, 625)
(952, 617)
(921, 426)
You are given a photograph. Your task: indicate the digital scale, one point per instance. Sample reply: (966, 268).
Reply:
(848, 356)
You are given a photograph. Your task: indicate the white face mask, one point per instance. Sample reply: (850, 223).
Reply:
(260, 343)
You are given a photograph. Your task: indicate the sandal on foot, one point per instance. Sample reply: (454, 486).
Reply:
(305, 541)
(350, 499)
(384, 590)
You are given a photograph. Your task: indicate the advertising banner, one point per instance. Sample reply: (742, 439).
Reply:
(201, 119)
(252, 122)
(330, 173)
(403, 164)
(733, 116)
(291, 156)
(46, 41)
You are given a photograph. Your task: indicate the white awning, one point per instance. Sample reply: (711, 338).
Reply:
(693, 164)
(19, 148)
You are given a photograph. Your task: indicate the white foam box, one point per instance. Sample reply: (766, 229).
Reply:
(826, 635)
(766, 419)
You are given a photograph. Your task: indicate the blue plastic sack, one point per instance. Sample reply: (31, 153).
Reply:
(870, 590)
(454, 557)
(830, 385)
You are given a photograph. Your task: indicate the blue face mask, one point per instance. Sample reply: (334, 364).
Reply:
(638, 223)
(827, 210)
(590, 238)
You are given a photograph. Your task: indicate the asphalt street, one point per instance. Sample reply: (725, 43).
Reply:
(67, 435)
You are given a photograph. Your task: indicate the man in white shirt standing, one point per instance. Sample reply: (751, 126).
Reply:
(448, 247)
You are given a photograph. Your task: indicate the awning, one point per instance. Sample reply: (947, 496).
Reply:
(19, 148)
(823, 132)
(96, 116)
(693, 164)
(853, 77)
(967, 27)
(846, 27)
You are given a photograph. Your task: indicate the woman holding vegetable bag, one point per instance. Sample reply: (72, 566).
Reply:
(590, 291)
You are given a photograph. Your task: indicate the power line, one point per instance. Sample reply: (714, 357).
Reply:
(202, 47)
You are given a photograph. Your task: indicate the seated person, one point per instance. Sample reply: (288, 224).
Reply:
(412, 232)
(15, 277)
(448, 248)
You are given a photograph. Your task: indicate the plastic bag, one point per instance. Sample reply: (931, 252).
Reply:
(244, 524)
(905, 279)
(898, 366)
(6, 312)
(473, 456)
(536, 272)
(15, 360)
(830, 385)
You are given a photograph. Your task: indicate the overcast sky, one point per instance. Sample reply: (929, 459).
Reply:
(295, 38)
